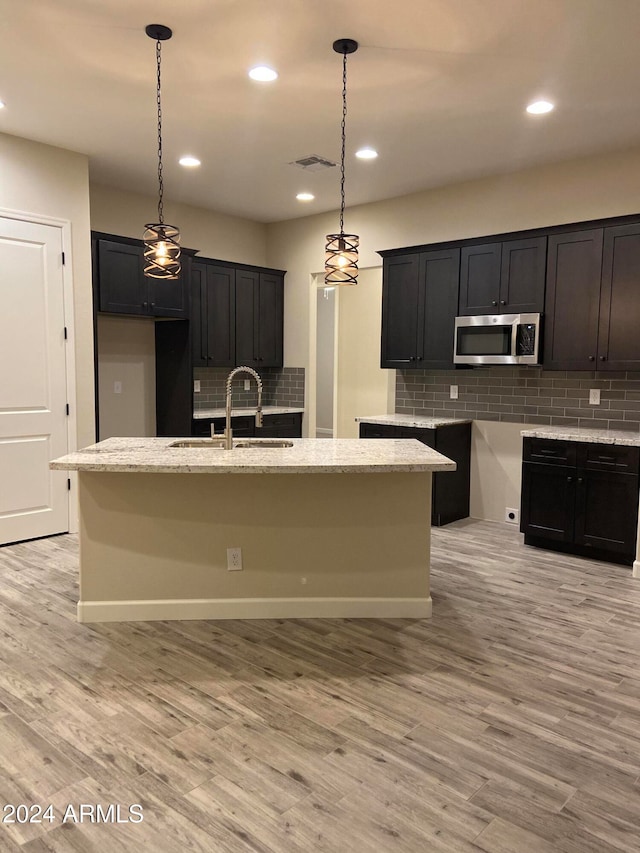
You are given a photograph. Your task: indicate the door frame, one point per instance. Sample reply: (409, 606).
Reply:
(64, 225)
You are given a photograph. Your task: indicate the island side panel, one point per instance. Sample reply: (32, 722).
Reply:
(154, 546)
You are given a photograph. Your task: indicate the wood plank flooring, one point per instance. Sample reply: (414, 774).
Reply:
(508, 723)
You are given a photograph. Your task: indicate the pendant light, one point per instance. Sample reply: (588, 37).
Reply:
(341, 258)
(161, 241)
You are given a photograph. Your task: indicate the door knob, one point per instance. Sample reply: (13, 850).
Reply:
(603, 358)
(493, 302)
(592, 358)
(503, 302)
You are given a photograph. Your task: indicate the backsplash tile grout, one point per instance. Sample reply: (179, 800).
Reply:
(282, 386)
(523, 395)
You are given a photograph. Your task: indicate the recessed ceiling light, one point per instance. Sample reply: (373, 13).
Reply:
(305, 196)
(538, 108)
(263, 74)
(188, 160)
(2, 105)
(367, 154)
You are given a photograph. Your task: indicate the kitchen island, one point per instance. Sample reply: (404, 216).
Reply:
(347, 535)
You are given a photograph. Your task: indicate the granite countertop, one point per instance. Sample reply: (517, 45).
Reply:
(412, 421)
(306, 456)
(249, 410)
(593, 436)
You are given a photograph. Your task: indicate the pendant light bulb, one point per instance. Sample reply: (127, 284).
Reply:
(161, 241)
(341, 250)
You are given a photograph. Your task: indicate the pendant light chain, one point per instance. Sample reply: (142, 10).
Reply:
(159, 103)
(344, 138)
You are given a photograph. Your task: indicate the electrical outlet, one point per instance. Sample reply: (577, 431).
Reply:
(234, 559)
(247, 385)
(303, 581)
(117, 387)
(511, 515)
(594, 397)
(196, 386)
(453, 392)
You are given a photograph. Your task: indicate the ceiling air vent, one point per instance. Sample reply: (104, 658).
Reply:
(313, 163)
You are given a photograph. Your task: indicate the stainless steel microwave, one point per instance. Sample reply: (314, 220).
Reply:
(497, 339)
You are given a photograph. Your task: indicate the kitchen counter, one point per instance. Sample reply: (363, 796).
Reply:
(592, 436)
(411, 421)
(201, 414)
(306, 456)
(311, 545)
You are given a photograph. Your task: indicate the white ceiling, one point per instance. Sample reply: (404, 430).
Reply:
(438, 87)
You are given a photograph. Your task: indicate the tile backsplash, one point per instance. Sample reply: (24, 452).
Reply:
(282, 386)
(523, 395)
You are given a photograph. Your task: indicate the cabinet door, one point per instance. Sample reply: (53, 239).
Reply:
(572, 302)
(548, 501)
(220, 316)
(480, 279)
(607, 511)
(269, 313)
(618, 339)
(439, 277)
(169, 297)
(400, 315)
(198, 321)
(281, 426)
(123, 286)
(522, 277)
(247, 283)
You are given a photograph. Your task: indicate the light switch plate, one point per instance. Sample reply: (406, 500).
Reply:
(453, 392)
(247, 384)
(117, 387)
(196, 386)
(594, 397)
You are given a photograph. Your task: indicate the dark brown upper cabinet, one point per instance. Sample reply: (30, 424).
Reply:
(572, 304)
(237, 315)
(259, 318)
(503, 278)
(419, 306)
(212, 315)
(618, 339)
(123, 288)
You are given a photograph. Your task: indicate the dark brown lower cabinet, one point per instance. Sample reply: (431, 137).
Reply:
(287, 425)
(450, 497)
(588, 506)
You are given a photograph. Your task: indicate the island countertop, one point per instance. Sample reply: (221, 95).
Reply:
(306, 456)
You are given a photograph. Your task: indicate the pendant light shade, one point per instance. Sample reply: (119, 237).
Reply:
(341, 250)
(161, 241)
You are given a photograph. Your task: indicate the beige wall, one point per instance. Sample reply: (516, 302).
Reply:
(45, 181)
(126, 347)
(363, 387)
(214, 235)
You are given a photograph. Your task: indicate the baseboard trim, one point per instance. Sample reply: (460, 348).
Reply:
(254, 608)
(636, 568)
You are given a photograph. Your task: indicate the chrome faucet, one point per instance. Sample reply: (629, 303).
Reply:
(228, 434)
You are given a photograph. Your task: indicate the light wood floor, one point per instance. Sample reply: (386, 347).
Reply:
(508, 723)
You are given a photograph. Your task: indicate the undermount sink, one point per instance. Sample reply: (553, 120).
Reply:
(263, 442)
(199, 442)
(218, 443)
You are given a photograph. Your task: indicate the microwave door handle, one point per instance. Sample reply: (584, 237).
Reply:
(514, 340)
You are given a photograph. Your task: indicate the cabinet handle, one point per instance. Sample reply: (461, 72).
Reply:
(493, 302)
(419, 358)
(153, 304)
(592, 358)
(580, 480)
(503, 302)
(603, 358)
(569, 479)
(412, 358)
(144, 304)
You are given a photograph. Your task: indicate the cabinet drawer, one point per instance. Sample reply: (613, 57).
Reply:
(607, 457)
(426, 436)
(379, 431)
(550, 451)
(281, 426)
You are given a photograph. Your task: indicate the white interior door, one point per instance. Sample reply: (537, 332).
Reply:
(33, 418)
